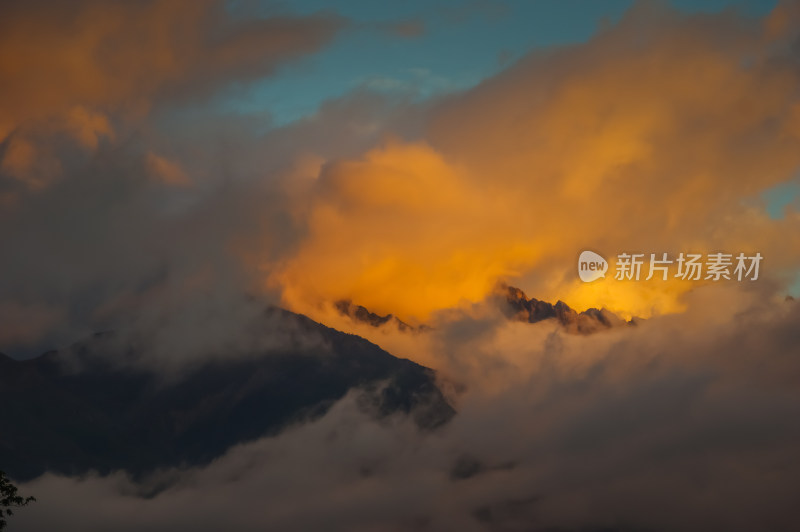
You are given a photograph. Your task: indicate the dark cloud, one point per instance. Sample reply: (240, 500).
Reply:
(122, 189)
(117, 234)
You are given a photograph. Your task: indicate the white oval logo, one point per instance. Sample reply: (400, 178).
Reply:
(591, 266)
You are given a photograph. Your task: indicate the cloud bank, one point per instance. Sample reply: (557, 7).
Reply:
(656, 136)
(686, 422)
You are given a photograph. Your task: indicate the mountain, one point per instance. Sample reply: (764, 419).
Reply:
(107, 416)
(364, 315)
(517, 306)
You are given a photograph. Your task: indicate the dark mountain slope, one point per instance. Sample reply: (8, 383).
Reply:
(108, 416)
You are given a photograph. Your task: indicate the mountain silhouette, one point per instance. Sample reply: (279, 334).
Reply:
(106, 416)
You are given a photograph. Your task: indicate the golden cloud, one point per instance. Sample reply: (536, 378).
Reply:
(656, 136)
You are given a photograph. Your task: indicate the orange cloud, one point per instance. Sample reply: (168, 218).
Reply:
(109, 54)
(87, 127)
(655, 136)
(166, 171)
(401, 232)
(70, 67)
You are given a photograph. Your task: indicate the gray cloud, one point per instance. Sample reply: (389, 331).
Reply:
(683, 423)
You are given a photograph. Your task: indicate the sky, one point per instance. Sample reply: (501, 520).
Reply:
(432, 48)
(171, 168)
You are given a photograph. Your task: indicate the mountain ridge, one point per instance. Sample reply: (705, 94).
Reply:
(107, 417)
(517, 306)
(514, 304)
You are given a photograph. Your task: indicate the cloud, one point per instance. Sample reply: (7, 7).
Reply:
(111, 244)
(397, 219)
(166, 171)
(81, 67)
(678, 424)
(126, 54)
(656, 136)
(103, 105)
